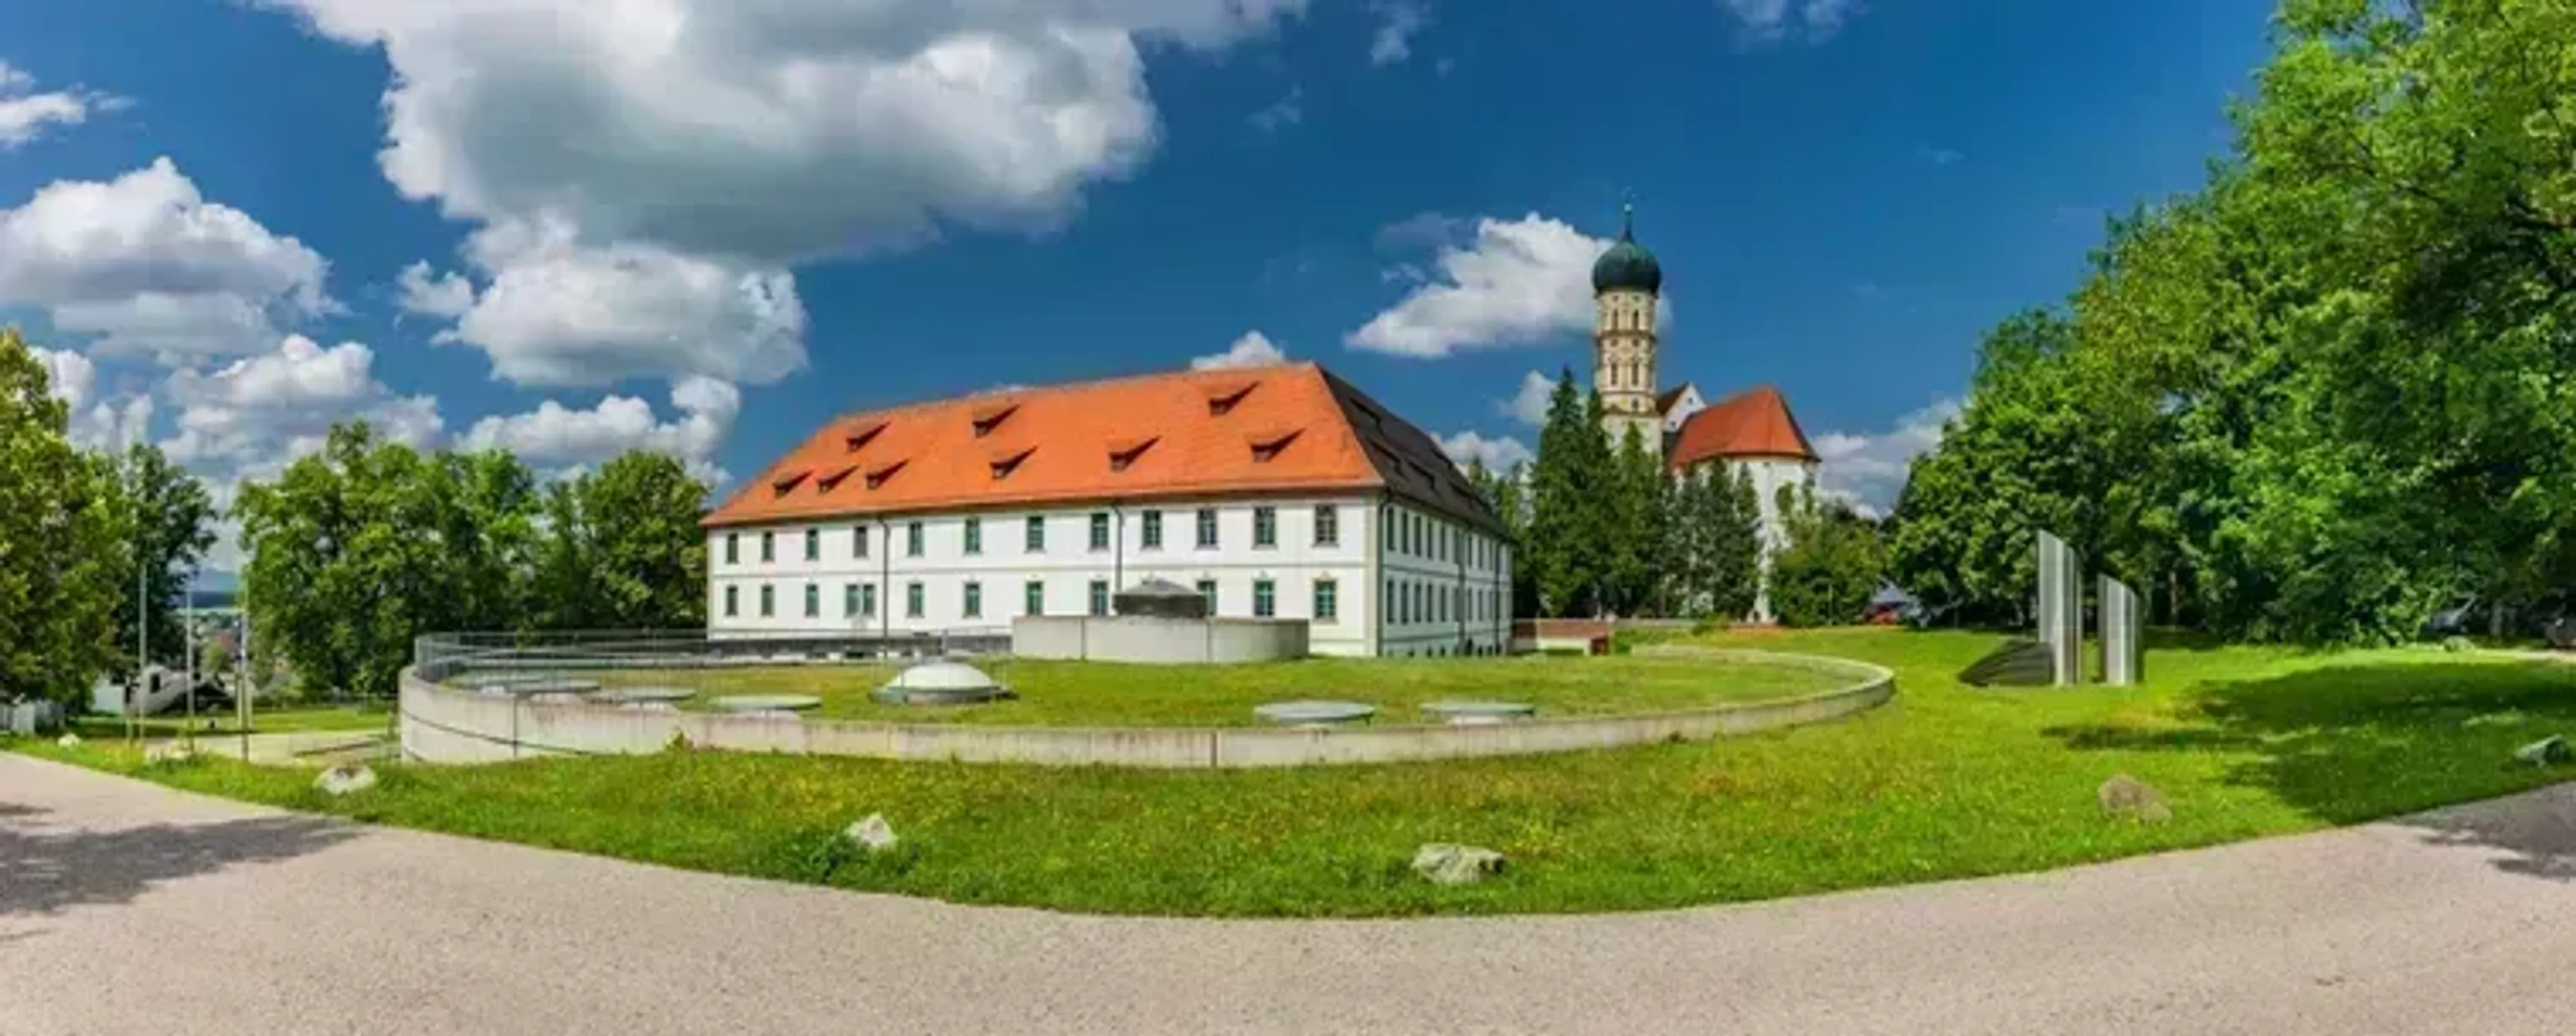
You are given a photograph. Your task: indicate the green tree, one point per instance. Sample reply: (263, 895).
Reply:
(1635, 522)
(349, 560)
(1734, 544)
(1567, 550)
(60, 542)
(170, 526)
(1831, 566)
(622, 548)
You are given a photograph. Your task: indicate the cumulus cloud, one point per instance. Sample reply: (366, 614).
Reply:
(446, 295)
(557, 437)
(1398, 22)
(26, 115)
(1498, 454)
(1515, 283)
(149, 266)
(1814, 20)
(96, 423)
(1529, 405)
(1869, 470)
(1254, 349)
(710, 145)
(253, 416)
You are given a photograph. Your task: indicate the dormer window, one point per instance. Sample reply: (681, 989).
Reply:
(862, 435)
(833, 481)
(878, 476)
(1267, 445)
(1222, 398)
(1122, 455)
(783, 483)
(1007, 463)
(991, 417)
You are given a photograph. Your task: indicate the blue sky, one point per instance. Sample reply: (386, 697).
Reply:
(694, 228)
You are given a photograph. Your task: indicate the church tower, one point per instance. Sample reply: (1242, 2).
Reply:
(1626, 281)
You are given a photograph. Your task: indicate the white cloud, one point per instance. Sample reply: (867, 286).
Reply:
(1870, 470)
(253, 416)
(1516, 283)
(447, 295)
(560, 313)
(1816, 20)
(1254, 349)
(1498, 454)
(709, 145)
(1398, 22)
(1529, 405)
(69, 376)
(25, 114)
(1284, 112)
(554, 436)
(149, 266)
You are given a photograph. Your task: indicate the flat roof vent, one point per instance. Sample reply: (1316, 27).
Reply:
(1223, 397)
(861, 435)
(990, 417)
(1009, 461)
(1123, 453)
(1267, 445)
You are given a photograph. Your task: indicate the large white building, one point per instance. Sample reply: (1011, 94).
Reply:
(1751, 432)
(1279, 492)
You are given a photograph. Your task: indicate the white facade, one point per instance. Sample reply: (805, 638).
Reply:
(1623, 366)
(1332, 560)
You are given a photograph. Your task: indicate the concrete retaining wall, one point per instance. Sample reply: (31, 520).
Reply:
(445, 725)
(1136, 638)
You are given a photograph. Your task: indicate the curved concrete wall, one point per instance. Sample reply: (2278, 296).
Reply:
(445, 725)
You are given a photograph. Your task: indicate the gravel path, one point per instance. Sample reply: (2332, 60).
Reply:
(127, 908)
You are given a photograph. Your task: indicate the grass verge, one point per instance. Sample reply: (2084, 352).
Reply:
(1945, 782)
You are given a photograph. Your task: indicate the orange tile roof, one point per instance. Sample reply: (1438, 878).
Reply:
(1754, 423)
(1282, 429)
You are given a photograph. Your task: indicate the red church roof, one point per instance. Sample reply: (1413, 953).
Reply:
(1748, 424)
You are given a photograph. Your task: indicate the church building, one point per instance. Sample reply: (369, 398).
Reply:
(1750, 431)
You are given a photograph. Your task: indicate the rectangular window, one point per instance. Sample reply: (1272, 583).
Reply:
(974, 600)
(1265, 599)
(1386, 604)
(733, 548)
(1328, 600)
(868, 600)
(1037, 534)
(768, 601)
(1328, 525)
(912, 600)
(1100, 530)
(912, 539)
(1265, 526)
(1153, 532)
(849, 600)
(768, 547)
(974, 535)
(733, 601)
(1207, 528)
(813, 544)
(1099, 597)
(1036, 597)
(1207, 594)
(858, 541)
(1386, 529)
(813, 601)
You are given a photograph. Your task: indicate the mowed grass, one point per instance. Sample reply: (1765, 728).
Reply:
(1084, 694)
(1944, 782)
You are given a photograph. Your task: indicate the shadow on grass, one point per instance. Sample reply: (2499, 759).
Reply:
(2347, 744)
(52, 868)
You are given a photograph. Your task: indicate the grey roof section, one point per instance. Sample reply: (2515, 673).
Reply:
(1411, 462)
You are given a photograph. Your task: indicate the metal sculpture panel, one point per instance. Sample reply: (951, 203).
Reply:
(2123, 624)
(2061, 609)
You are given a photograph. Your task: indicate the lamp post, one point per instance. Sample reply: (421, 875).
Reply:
(134, 693)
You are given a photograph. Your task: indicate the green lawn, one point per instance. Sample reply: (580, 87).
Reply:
(283, 719)
(1106, 694)
(1944, 782)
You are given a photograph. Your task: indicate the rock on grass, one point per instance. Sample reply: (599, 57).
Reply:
(344, 779)
(2127, 798)
(1446, 864)
(872, 834)
(2548, 751)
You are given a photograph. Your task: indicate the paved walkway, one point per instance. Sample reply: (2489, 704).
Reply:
(126, 908)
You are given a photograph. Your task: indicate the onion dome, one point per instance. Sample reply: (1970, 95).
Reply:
(1627, 265)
